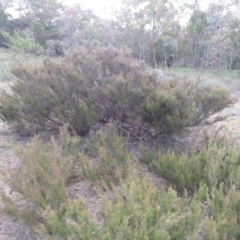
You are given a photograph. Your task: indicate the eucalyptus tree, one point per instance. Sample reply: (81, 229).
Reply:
(42, 10)
(76, 18)
(4, 23)
(233, 47)
(151, 19)
(77, 24)
(197, 30)
(216, 48)
(38, 15)
(4, 16)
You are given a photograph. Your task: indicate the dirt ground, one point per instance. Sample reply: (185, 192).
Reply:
(10, 228)
(225, 122)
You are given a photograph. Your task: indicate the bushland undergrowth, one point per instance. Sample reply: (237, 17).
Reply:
(23, 45)
(203, 201)
(87, 89)
(96, 85)
(217, 162)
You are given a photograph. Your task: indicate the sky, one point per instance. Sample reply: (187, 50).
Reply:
(100, 7)
(103, 8)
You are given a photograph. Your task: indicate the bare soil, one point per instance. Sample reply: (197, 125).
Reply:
(10, 228)
(225, 122)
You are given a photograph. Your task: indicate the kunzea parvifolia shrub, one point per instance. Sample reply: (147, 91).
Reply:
(182, 102)
(93, 84)
(89, 85)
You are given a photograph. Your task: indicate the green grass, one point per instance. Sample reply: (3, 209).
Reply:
(230, 79)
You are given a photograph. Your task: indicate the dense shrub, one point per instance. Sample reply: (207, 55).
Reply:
(42, 34)
(73, 223)
(90, 85)
(220, 210)
(132, 207)
(107, 160)
(19, 44)
(41, 181)
(42, 175)
(182, 102)
(217, 162)
(141, 211)
(97, 85)
(46, 169)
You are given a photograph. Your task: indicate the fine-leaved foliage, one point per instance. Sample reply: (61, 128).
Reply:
(97, 85)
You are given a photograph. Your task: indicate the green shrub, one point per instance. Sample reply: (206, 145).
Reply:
(211, 176)
(73, 223)
(131, 205)
(45, 170)
(220, 208)
(141, 211)
(182, 103)
(215, 163)
(90, 85)
(94, 84)
(19, 44)
(42, 34)
(42, 175)
(136, 209)
(107, 159)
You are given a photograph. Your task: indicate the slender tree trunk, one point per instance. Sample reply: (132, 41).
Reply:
(154, 54)
(195, 55)
(204, 58)
(230, 60)
(165, 59)
(176, 55)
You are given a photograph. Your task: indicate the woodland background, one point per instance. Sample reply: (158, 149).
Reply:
(163, 33)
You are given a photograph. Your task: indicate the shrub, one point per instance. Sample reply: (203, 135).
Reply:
(131, 213)
(136, 209)
(94, 84)
(211, 176)
(132, 206)
(73, 223)
(45, 170)
(90, 85)
(42, 34)
(139, 211)
(42, 175)
(221, 210)
(107, 159)
(181, 103)
(19, 44)
(215, 163)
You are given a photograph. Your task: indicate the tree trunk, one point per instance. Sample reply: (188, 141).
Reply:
(154, 54)
(195, 55)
